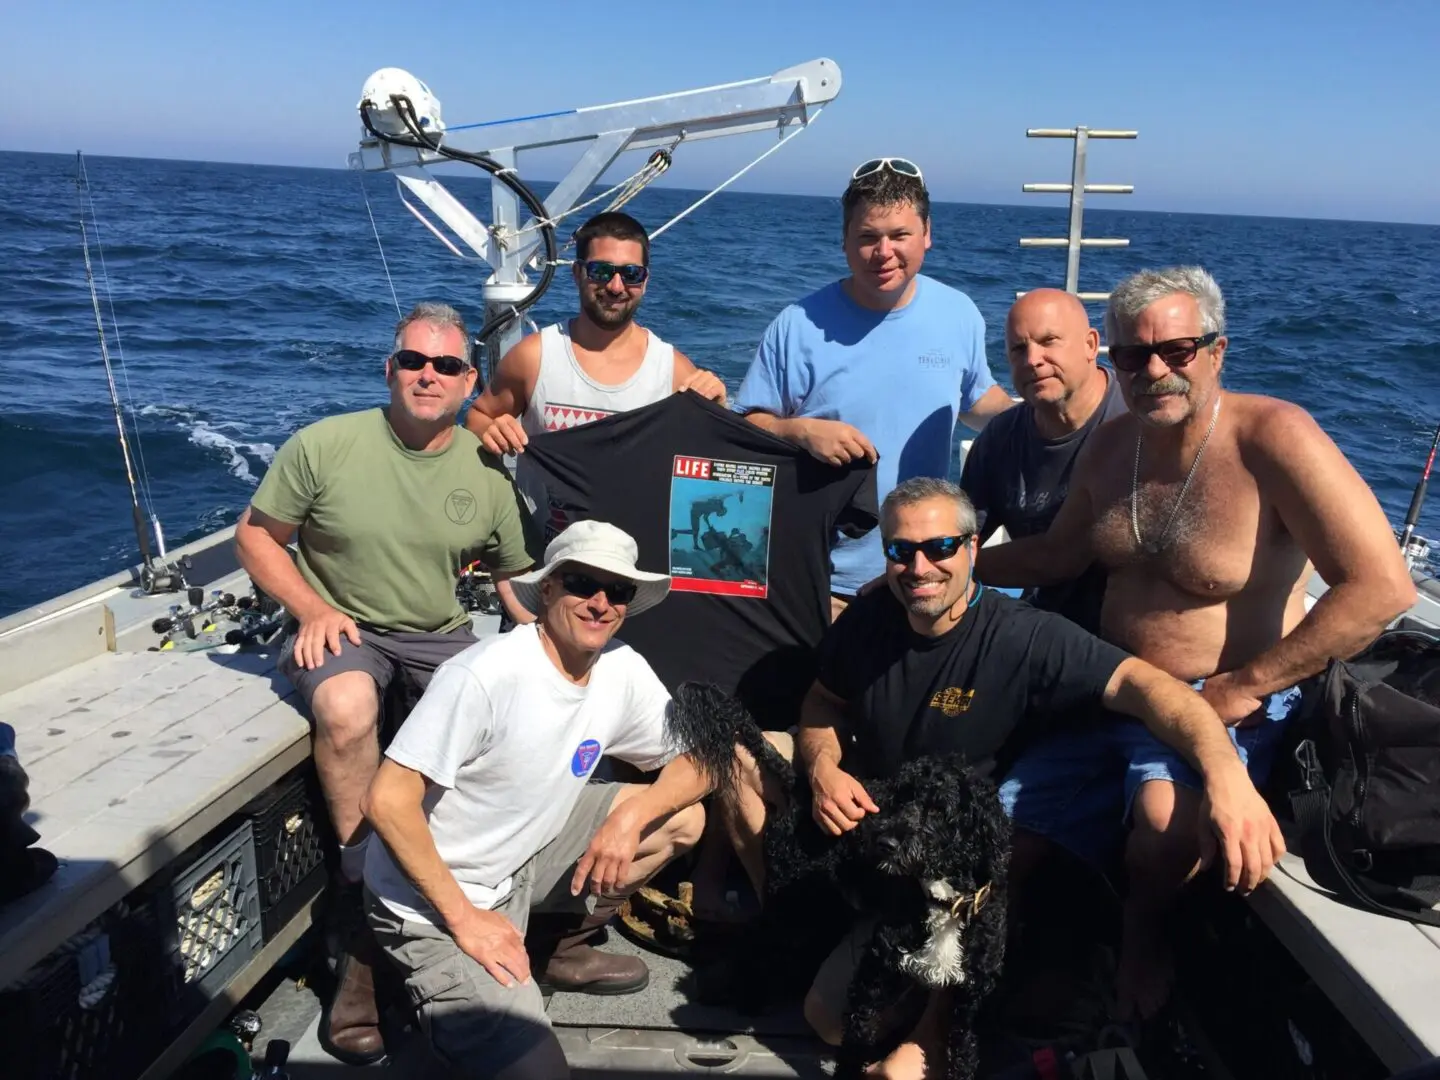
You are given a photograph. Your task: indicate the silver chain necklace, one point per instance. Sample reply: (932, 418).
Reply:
(1154, 547)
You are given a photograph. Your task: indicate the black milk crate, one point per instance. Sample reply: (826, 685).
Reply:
(211, 915)
(292, 832)
(95, 1008)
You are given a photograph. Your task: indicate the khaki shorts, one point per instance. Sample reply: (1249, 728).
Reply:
(473, 1022)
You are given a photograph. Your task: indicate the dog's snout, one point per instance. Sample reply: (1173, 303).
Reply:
(889, 843)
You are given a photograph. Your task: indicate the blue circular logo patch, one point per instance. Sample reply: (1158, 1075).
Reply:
(586, 754)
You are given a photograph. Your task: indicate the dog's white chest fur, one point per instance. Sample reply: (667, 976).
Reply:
(941, 960)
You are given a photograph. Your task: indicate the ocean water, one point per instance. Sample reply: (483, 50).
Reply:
(251, 300)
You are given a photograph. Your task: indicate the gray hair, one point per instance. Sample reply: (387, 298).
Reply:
(922, 488)
(433, 314)
(1138, 291)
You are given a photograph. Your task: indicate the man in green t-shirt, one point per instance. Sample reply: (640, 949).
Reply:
(386, 506)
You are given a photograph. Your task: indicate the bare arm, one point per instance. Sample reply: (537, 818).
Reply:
(1337, 521)
(393, 806)
(696, 380)
(831, 441)
(260, 547)
(511, 386)
(839, 800)
(1235, 821)
(992, 403)
(1061, 553)
(506, 592)
(817, 743)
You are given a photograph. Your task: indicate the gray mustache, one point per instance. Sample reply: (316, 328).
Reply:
(1169, 384)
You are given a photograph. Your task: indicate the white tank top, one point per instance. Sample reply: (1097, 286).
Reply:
(566, 397)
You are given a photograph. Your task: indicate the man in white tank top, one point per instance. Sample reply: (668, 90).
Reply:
(600, 363)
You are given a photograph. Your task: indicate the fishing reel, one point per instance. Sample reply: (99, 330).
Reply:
(384, 113)
(162, 577)
(255, 616)
(476, 591)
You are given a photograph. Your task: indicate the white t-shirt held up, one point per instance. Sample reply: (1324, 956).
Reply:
(508, 743)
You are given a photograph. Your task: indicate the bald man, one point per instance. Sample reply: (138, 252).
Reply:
(1018, 471)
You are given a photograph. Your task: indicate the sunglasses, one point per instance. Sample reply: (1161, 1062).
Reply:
(414, 360)
(600, 272)
(1176, 353)
(900, 165)
(585, 586)
(936, 549)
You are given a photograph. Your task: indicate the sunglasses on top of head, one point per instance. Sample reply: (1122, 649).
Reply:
(900, 165)
(1176, 352)
(600, 272)
(414, 360)
(936, 549)
(583, 585)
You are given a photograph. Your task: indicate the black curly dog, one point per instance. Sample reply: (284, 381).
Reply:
(930, 867)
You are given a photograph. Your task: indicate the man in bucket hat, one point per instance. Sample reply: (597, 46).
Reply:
(487, 810)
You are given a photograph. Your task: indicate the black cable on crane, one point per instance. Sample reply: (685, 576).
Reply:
(420, 140)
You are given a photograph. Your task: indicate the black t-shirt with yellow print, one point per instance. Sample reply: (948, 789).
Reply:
(1006, 673)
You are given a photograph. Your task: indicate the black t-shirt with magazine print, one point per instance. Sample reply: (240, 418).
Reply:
(741, 520)
(1005, 673)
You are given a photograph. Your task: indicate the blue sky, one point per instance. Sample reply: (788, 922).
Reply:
(1309, 109)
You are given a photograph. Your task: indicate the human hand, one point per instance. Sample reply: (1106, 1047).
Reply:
(835, 442)
(1236, 824)
(873, 583)
(493, 942)
(705, 383)
(839, 800)
(1236, 706)
(321, 631)
(505, 435)
(607, 860)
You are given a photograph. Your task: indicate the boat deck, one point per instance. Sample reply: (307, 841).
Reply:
(134, 755)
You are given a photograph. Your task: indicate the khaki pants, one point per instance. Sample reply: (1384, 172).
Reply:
(474, 1023)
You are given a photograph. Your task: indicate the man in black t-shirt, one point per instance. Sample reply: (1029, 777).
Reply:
(934, 664)
(1017, 473)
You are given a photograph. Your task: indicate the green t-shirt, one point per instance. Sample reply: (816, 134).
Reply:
(385, 530)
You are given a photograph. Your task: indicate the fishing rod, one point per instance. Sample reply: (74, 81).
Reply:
(156, 575)
(1418, 499)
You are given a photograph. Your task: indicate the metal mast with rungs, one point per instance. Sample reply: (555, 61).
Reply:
(1077, 189)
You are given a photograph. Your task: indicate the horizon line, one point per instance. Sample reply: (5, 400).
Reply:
(767, 194)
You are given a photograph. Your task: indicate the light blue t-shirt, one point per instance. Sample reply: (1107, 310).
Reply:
(900, 377)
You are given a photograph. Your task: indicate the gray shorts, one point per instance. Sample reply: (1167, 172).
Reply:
(379, 655)
(473, 1022)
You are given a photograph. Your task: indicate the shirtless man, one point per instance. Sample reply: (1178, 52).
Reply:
(601, 362)
(1209, 509)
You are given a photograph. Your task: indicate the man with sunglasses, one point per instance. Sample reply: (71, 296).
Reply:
(599, 363)
(1209, 510)
(385, 506)
(879, 365)
(935, 664)
(493, 823)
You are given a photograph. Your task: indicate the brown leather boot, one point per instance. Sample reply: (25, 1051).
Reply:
(350, 1023)
(563, 959)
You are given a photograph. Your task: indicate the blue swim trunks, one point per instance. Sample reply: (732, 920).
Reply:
(1077, 788)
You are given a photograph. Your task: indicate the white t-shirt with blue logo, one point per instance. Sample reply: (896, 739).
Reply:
(900, 377)
(508, 743)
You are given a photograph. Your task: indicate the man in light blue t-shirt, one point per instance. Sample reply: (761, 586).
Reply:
(878, 365)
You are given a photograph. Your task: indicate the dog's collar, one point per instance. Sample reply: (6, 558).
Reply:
(974, 901)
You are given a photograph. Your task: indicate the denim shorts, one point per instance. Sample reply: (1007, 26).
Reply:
(1077, 788)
